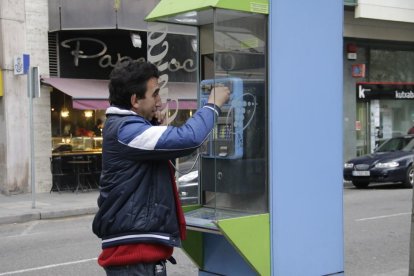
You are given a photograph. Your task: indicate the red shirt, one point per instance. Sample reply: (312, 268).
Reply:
(134, 253)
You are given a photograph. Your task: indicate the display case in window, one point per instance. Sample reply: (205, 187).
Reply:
(76, 144)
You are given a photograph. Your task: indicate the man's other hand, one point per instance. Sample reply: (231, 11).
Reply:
(219, 95)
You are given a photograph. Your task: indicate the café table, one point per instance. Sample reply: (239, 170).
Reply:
(78, 165)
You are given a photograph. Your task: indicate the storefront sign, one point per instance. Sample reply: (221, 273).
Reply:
(367, 91)
(104, 60)
(86, 55)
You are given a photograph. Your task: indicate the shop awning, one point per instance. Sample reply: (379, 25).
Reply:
(85, 93)
(94, 94)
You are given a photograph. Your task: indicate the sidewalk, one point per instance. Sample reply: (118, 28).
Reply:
(18, 208)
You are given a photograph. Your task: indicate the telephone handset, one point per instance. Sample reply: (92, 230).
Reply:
(226, 139)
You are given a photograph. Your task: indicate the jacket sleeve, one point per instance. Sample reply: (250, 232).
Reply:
(167, 142)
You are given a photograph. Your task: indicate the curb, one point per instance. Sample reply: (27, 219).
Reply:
(19, 218)
(68, 213)
(48, 215)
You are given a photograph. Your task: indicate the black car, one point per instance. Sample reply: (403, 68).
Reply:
(392, 161)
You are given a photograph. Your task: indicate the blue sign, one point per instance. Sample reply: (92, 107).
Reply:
(21, 64)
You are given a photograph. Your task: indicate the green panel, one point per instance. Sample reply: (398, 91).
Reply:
(193, 244)
(193, 247)
(168, 8)
(255, 6)
(189, 208)
(251, 237)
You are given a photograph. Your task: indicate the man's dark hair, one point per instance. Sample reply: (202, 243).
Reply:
(128, 78)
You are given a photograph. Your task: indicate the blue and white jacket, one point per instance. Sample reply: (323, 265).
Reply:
(136, 202)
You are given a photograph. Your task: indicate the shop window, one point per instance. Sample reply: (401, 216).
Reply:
(391, 66)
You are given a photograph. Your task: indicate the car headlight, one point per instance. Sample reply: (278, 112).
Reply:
(348, 165)
(387, 165)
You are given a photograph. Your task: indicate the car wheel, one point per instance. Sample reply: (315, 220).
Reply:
(360, 184)
(409, 178)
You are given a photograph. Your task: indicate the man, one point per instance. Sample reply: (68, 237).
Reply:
(140, 218)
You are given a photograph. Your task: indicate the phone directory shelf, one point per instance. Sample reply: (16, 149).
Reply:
(205, 219)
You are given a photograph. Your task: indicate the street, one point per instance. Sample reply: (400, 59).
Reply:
(377, 228)
(60, 247)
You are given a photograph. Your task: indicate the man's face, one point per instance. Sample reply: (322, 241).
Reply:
(148, 106)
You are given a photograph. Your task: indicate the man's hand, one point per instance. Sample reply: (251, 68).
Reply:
(161, 116)
(219, 95)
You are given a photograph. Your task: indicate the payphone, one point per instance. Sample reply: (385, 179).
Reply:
(226, 140)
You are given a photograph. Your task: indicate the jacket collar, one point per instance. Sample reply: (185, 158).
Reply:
(113, 110)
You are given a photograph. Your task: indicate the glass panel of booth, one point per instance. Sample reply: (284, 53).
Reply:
(173, 48)
(233, 161)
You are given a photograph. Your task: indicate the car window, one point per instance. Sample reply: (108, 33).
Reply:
(392, 144)
(409, 145)
(398, 143)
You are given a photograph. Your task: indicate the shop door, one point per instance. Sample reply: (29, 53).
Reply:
(362, 128)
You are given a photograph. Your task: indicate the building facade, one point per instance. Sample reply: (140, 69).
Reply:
(378, 53)
(378, 73)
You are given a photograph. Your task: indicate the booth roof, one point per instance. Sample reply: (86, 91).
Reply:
(170, 8)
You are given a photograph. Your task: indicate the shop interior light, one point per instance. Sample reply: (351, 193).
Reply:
(136, 40)
(64, 112)
(88, 113)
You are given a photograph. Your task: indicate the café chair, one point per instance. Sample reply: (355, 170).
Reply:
(95, 168)
(58, 175)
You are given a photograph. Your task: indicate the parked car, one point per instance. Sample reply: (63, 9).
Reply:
(188, 188)
(392, 161)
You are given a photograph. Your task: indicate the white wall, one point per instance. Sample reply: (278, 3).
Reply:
(37, 46)
(377, 29)
(392, 10)
(23, 29)
(14, 157)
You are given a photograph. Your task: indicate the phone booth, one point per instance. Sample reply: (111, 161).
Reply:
(228, 232)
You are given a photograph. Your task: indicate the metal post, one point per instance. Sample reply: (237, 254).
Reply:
(31, 129)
